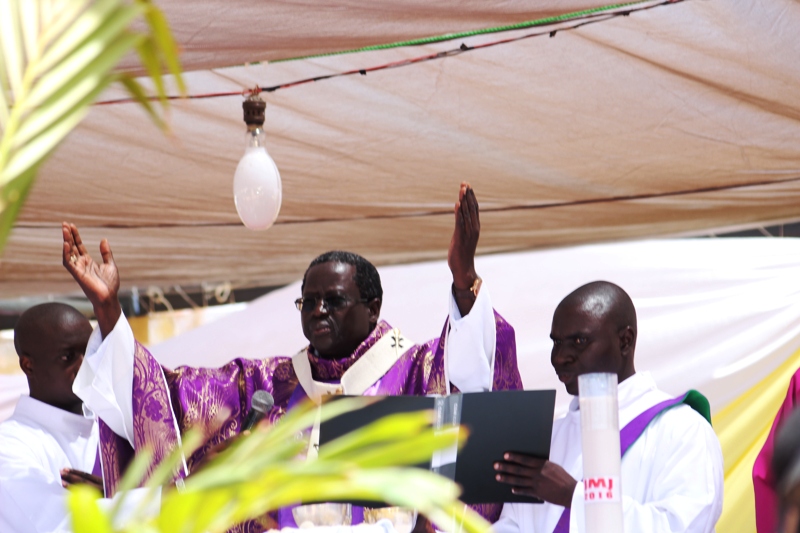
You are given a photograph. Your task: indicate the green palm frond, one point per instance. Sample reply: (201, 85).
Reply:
(56, 57)
(265, 471)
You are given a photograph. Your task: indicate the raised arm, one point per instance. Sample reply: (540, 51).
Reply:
(480, 351)
(105, 379)
(461, 255)
(99, 281)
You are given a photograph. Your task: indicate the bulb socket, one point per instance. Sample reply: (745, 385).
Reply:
(254, 111)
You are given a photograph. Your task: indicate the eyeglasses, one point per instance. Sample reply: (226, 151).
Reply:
(329, 303)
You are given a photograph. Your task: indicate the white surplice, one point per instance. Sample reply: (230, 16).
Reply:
(105, 379)
(35, 444)
(672, 476)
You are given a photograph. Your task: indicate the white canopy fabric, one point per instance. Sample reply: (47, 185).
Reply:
(679, 119)
(12, 386)
(717, 315)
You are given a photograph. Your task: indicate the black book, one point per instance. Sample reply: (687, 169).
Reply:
(498, 422)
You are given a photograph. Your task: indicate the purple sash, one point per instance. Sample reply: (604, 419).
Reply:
(631, 433)
(97, 469)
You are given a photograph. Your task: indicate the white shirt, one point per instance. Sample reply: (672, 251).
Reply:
(105, 379)
(35, 444)
(672, 476)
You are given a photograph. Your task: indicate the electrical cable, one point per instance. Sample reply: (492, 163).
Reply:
(449, 212)
(585, 17)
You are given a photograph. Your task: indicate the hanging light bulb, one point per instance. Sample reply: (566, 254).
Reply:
(257, 182)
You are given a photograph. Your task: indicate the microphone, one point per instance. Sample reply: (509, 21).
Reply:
(260, 404)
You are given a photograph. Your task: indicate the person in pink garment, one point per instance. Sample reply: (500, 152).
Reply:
(785, 469)
(764, 483)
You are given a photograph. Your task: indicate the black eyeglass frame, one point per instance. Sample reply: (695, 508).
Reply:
(326, 305)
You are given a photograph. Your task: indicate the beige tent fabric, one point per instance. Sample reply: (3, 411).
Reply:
(681, 119)
(223, 33)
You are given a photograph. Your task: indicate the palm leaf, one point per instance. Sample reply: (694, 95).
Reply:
(265, 471)
(56, 58)
(12, 45)
(91, 518)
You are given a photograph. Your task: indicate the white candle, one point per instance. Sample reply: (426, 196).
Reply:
(601, 452)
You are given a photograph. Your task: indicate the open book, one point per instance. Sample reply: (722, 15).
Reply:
(498, 422)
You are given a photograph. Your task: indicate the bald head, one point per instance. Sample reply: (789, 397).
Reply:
(50, 340)
(594, 330)
(43, 320)
(604, 300)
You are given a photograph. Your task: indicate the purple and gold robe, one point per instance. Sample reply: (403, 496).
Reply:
(166, 403)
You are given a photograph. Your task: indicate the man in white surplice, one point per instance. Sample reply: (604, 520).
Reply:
(47, 437)
(672, 476)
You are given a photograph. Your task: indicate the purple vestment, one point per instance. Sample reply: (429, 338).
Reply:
(197, 396)
(763, 477)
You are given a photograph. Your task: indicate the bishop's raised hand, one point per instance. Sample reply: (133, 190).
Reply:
(461, 255)
(99, 281)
